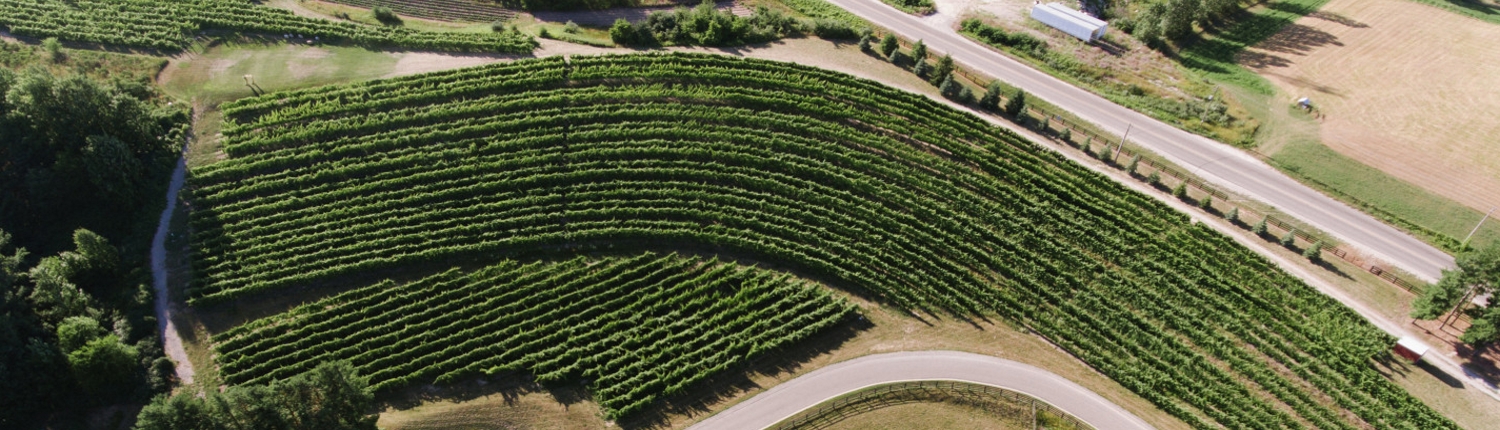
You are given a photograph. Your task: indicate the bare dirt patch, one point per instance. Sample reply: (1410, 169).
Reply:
(1405, 88)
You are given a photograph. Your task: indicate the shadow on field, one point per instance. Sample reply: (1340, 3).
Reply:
(1298, 39)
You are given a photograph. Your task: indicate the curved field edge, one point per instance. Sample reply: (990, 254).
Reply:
(172, 26)
(842, 179)
(635, 327)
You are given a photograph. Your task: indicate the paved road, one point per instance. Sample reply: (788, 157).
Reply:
(791, 397)
(1218, 163)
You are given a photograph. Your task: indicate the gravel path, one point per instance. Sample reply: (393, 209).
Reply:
(808, 390)
(164, 308)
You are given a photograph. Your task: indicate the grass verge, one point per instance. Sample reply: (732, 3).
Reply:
(1480, 10)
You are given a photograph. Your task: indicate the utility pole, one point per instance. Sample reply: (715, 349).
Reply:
(1476, 226)
(1116, 158)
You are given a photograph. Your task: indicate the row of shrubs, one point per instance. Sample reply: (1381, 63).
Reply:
(705, 25)
(1014, 106)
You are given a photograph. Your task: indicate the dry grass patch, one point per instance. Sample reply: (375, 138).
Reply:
(1403, 88)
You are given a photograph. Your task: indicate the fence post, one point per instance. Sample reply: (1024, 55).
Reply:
(1116, 158)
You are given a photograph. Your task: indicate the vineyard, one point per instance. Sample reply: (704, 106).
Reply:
(889, 194)
(171, 25)
(635, 327)
(446, 10)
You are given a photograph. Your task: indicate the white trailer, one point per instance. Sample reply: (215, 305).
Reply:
(1072, 22)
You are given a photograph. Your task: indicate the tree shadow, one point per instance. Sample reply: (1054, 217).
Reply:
(1260, 60)
(1338, 18)
(1298, 39)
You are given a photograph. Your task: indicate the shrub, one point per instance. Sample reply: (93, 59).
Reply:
(1314, 252)
(1154, 179)
(922, 69)
(919, 51)
(1289, 239)
(991, 99)
(1207, 203)
(571, 27)
(1180, 191)
(1135, 162)
(941, 71)
(1045, 123)
(1233, 216)
(834, 29)
(1260, 228)
(498, 26)
(949, 88)
(544, 34)
(1016, 105)
(965, 95)
(864, 43)
(888, 45)
(621, 32)
(385, 15)
(53, 48)
(1067, 134)
(1105, 154)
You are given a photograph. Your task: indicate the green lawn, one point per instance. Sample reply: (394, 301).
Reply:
(1476, 9)
(1436, 219)
(218, 74)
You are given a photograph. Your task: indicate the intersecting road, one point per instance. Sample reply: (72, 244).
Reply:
(1217, 163)
(806, 391)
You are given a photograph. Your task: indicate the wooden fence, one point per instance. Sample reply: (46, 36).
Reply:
(1005, 403)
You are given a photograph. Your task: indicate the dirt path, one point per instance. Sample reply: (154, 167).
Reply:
(164, 308)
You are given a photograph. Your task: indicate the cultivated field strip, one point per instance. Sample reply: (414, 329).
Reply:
(171, 25)
(446, 10)
(837, 178)
(636, 327)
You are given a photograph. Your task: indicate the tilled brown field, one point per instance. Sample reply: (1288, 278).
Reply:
(1403, 87)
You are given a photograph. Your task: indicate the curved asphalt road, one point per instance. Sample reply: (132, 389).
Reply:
(1215, 162)
(789, 398)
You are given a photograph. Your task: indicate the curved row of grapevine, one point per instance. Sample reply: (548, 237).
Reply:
(446, 10)
(637, 327)
(170, 25)
(839, 178)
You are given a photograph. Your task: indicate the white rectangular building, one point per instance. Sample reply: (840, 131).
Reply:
(1072, 22)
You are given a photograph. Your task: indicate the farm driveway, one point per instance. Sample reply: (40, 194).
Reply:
(791, 397)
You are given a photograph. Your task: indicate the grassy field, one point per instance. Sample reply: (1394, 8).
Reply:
(936, 415)
(219, 73)
(1487, 10)
(1405, 139)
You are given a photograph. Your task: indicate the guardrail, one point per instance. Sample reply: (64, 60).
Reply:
(1005, 403)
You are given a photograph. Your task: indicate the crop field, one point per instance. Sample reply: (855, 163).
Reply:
(1401, 88)
(887, 194)
(445, 10)
(635, 327)
(171, 25)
